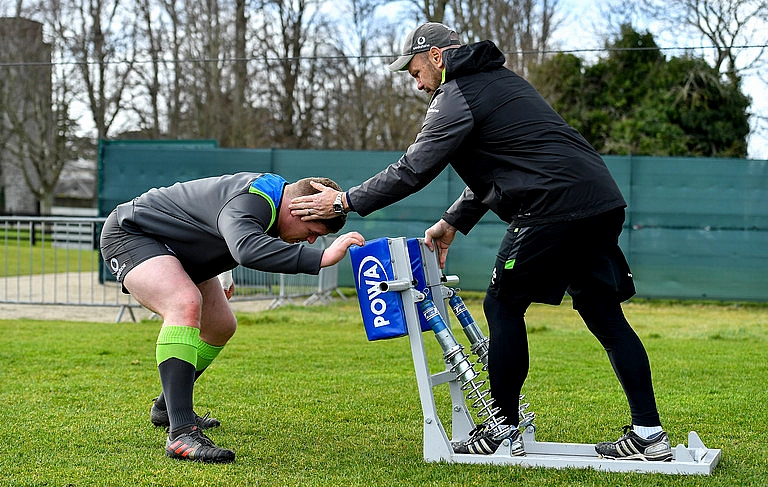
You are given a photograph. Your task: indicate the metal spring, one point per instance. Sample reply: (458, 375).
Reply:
(526, 418)
(460, 365)
(479, 397)
(480, 350)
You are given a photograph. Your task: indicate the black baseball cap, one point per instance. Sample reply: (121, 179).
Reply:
(421, 39)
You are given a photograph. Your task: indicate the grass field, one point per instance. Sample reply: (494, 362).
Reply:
(23, 259)
(305, 399)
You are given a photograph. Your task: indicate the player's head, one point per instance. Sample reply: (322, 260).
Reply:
(304, 188)
(292, 229)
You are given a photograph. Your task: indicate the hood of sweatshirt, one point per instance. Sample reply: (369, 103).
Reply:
(472, 58)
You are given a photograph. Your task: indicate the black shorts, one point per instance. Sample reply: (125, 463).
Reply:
(540, 263)
(123, 250)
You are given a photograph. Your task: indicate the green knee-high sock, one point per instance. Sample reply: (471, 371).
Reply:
(176, 361)
(206, 353)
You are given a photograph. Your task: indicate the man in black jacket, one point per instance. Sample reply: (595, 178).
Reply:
(523, 162)
(167, 248)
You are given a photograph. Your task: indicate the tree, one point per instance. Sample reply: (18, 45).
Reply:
(359, 90)
(736, 29)
(264, 73)
(712, 111)
(98, 36)
(196, 81)
(149, 116)
(282, 33)
(172, 70)
(241, 127)
(560, 80)
(634, 101)
(432, 10)
(725, 24)
(208, 71)
(522, 29)
(616, 88)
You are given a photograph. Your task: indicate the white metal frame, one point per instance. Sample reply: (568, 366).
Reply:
(695, 459)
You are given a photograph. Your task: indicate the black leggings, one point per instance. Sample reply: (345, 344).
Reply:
(508, 360)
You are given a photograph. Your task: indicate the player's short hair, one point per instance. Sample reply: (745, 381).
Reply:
(304, 188)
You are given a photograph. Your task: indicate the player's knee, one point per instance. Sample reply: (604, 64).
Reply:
(183, 307)
(228, 327)
(593, 300)
(220, 330)
(190, 299)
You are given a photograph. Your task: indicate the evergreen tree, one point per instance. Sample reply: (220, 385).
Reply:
(635, 101)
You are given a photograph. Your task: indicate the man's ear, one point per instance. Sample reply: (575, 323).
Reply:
(436, 57)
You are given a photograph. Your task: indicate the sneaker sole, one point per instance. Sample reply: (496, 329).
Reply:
(640, 457)
(175, 456)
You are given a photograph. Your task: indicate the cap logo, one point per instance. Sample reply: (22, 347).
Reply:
(421, 40)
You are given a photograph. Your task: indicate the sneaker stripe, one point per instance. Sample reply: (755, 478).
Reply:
(180, 448)
(481, 447)
(490, 448)
(628, 448)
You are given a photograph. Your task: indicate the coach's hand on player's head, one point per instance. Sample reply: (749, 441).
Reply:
(336, 251)
(318, 206)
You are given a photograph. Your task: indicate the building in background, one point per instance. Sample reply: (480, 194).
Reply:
(25, 110)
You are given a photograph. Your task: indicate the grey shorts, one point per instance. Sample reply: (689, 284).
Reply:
(123, 250)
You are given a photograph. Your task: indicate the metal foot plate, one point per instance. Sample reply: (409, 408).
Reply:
(695, 459)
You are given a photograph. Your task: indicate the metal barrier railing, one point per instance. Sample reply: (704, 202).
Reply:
(55, 261)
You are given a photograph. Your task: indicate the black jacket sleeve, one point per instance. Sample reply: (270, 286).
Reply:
(465, 212)
(447, 123)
